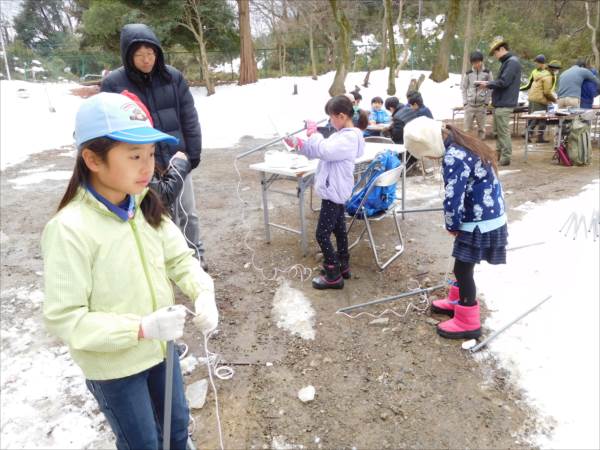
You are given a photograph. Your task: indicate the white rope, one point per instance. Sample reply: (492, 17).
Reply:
(295, 271)
(223, 373)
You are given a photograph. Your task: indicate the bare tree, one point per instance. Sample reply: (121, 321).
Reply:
(192, 20)
(439, 72)
(387, 5)
(594, 30)
(342, 49)
(384, 31)
(403, 38)
(468, 26)
(248, 73)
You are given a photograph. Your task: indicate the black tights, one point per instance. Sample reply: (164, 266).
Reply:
(332, 220)
(463, 271)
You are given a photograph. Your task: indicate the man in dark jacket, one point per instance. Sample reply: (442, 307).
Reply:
(414, 108)
(165, 92)
(505, 96)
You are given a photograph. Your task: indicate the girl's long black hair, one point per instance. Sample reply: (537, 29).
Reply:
(151, 205)
(342, 104)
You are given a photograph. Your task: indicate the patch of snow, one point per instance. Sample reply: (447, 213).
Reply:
(554, 352)
(44, 402)
(293, 311)
(56, 175)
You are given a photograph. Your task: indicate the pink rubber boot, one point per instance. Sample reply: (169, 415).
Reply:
(446, 305)
(465, 324)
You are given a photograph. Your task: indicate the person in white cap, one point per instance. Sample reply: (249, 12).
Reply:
(110, 255)
(474, 214)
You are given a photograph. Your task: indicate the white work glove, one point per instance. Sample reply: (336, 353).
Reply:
(207, 316)
(165, 324)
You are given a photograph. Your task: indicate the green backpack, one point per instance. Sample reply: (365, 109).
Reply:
(579, 143)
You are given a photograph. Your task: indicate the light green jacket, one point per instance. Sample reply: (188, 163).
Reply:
(102, 275)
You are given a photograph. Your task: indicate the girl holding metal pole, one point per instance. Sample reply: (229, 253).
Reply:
(110, 255)
(474, 214)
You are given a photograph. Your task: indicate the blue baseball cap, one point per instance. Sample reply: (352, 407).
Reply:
(117, 117)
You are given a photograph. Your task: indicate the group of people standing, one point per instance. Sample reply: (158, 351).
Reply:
(576, 87)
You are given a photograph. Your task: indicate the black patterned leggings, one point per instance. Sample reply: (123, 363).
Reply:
(332, 220)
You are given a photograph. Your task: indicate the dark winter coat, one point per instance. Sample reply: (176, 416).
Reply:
(164, 91)
(169, 184)
(401, 117)
(589, 90)
(505, 88)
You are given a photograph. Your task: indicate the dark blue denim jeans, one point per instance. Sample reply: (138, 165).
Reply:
(134, 408)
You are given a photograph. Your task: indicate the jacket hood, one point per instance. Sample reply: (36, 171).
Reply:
(135, 33)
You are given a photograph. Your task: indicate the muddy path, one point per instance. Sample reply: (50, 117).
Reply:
(391, 385)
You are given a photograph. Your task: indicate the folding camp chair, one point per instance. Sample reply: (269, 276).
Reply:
(387, 178)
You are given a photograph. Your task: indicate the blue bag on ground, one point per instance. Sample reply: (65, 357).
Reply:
(380, 198)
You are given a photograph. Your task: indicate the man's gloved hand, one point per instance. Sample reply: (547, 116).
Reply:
(165, 324)
(207, 315)
(294, 142)
(311, 127)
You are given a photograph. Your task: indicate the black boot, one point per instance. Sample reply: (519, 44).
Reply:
(331, 279)
(344, 267)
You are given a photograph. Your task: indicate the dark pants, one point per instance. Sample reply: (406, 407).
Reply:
(532, 123)
(134, 408)
(463, 271)
(332, 220)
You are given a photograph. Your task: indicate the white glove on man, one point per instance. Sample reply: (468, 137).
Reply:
(165, 324)
(207, 316)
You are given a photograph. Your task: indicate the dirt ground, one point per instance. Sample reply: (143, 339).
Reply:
(396, 386)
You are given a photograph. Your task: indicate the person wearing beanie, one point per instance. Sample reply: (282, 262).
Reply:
(474, 212)
(505, 96)
(166, 94)
(554, 67)
(570, 82)
(475, 98)
(540, 95)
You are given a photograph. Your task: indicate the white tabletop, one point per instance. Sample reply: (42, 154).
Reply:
(371, 150)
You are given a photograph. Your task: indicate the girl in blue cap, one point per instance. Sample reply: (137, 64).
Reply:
(110, 255)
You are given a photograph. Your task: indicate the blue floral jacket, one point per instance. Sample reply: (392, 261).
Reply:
(473, 192)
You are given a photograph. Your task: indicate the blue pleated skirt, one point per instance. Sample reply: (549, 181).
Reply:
(473, 247)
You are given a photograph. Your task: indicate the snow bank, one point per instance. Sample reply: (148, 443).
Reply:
(554, 352)
(261, 110)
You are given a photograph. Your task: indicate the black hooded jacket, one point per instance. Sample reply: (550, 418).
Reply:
(164, 91)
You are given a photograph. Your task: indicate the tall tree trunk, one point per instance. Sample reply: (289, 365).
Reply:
(193, 22)
(384, 37)
(439, 72)
(247, 62)
(589, 25)
(465, 61)
(343, 49)
(391, 90)
(311, 44)
(405, 46)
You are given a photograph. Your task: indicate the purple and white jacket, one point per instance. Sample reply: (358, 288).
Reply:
(334, 178)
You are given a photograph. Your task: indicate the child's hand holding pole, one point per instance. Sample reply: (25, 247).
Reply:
(165, 324)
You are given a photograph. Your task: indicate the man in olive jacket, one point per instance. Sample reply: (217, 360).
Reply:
(505, 96)
(167, 96)
(539, 86)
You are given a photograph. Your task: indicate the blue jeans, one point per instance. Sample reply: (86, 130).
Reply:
(134, 408)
